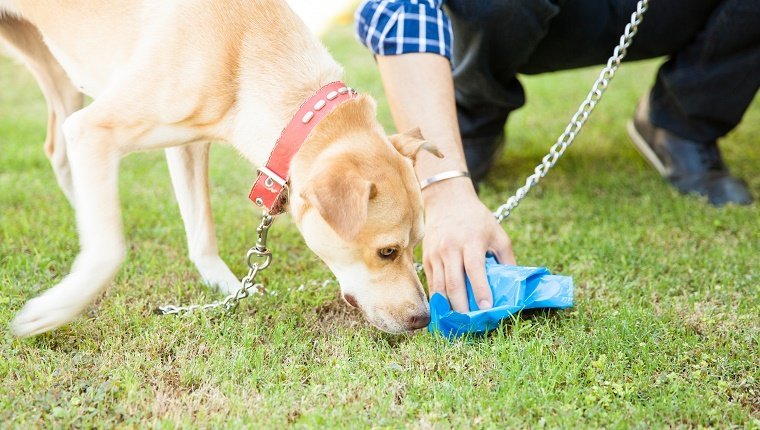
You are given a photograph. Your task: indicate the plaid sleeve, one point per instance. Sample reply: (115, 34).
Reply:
(392, 27)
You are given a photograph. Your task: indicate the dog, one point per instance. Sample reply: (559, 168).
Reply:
(177, 74)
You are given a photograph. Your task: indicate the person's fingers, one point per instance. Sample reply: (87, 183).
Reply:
(428, 275)
(455, 288)
(502, 247)
(435, 276)
(475, 266)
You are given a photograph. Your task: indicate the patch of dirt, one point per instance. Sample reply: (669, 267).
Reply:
(293, 416)
(170, 403)
(336, 314)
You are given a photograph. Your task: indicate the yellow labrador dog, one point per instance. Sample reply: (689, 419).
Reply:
(176, 74)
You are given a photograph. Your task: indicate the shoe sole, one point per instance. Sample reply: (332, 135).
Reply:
(644, 149)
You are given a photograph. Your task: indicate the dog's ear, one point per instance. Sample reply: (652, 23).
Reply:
(409, 144)
(341, 196)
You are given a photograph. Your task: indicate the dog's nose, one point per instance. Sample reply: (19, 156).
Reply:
(418, 321)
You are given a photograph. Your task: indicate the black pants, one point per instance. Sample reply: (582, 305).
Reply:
(701, 92)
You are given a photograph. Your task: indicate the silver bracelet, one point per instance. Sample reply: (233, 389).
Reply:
(449, 174)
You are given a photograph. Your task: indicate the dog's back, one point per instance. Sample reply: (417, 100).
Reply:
(194, 37)
(225, 58)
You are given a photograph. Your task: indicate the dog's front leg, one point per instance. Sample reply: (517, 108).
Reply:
(188, 166)
(94, 153)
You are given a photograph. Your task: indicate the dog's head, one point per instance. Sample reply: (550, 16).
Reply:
(356, 200)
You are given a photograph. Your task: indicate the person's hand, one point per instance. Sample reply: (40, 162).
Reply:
(459, 230)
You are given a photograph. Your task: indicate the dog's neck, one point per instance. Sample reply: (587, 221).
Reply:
(350, 131)
(278, 71)
(255, 138)
(354, 121)
(264, 112)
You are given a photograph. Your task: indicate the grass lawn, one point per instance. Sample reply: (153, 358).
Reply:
(664, 331)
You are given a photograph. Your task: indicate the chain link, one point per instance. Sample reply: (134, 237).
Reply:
(248, 284)
(260, 251)
(581, 116)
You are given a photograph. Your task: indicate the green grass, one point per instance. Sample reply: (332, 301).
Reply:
(664, 331)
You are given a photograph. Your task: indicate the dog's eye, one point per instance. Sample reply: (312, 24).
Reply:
(387, 253)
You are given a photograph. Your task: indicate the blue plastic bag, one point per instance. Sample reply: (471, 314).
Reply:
(514, 288)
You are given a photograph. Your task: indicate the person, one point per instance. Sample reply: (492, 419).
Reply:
(451, 70)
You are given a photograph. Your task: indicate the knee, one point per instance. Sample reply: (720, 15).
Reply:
(72, 127)
(85, 133)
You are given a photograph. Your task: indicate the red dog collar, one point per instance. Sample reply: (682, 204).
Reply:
(269, 189)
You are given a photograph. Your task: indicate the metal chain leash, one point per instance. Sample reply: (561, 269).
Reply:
(581, 116)
(260, 250)
(248, 284)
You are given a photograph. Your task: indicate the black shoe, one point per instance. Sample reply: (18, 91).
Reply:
(691, 167)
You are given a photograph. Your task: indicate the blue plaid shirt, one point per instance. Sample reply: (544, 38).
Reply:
(392, 27)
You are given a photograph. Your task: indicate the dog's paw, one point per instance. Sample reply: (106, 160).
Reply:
(216, 274)
(51, 310)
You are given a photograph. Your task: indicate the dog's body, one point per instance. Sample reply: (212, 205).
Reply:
(175, 75)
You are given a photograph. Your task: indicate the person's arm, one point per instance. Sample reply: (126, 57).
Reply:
(459, 229)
